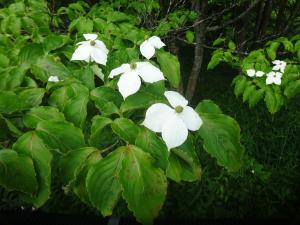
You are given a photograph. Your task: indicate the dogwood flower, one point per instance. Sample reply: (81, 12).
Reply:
(148, 47)
(173, 123)
(252, 73)
(274, 77)
(279, 65)
(130, 81)
(91, 50)
(53, 79)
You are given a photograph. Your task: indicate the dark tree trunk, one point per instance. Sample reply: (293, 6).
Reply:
(200, 30)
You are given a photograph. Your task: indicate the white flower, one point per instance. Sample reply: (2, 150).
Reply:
(147, 48)
(173, 123)
(251, 73)
(259, 73)
(274, 77)
(53, 79)
(279, 65)
(130, 82)
(91, 50)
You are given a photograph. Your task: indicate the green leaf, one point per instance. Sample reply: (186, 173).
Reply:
(218, 41)
(54, 41)
(143, 184)
(107, 100)
(272, 50)
(49, 66)
(273, 101)
(149, 142)
(215, 60)
(231, 45)
(255, 97)
(31, 53)
(32, 96)
(170, 67)
(62, 136)
(221, 136)
(86, 75)
(184, 163)
(71, 163)
(248, 92)
(101, 133)
(17, 172)
(4, 61)
(42, 113)
(31, 145)
(10, 102)
(292, 89)
(84, 25)
(125, 129)
(208, 106)
(240, 83)
(145, 97)
(103, 184)
(13, 77)
(190, 36)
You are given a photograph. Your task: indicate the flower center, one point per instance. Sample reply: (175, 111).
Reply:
(133, 66)
(178, 109)
(92, 43)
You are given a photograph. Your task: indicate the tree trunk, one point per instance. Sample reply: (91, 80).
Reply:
(200, 30)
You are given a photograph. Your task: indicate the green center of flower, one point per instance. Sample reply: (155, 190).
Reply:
(133, 66)
(92, 43)
(178, 109)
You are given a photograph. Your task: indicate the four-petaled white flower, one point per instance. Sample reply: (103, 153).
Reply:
(130, 82)
(279, 65)
(252, 73)
(274, 77)
(173, 123)
(53, 79)
(91, 50)
(148, 47)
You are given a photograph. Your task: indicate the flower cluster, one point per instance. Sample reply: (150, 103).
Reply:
(274, 76)
(173, 122)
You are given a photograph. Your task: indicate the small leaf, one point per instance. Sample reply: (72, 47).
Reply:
(103, 184)
(59, 135)
(170, 67)
(17, 172)
(42, 113)
(31, 145)
(125, 129)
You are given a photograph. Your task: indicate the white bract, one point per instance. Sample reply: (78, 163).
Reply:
(252, 73)
(148, 47)
(274, 77)
(91, 50)
(259, 73)
(53, 79)
(279, 65)
(130, 81)
(175, 122)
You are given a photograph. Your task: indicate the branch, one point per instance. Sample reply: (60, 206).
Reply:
(218, 27)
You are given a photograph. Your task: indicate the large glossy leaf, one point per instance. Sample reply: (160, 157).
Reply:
(72, 100)
(10, 102)
(149, 142)
(31, 145)
(144, 185)
(221, 136)
(170, 67)
(101, 133)
(125, 129)
(42, 113)
(61, 136)
(17, 172)
(107, 100)
(32, 96)
(184, 163)
(103, 182)
(71, 163)
(13, 77)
